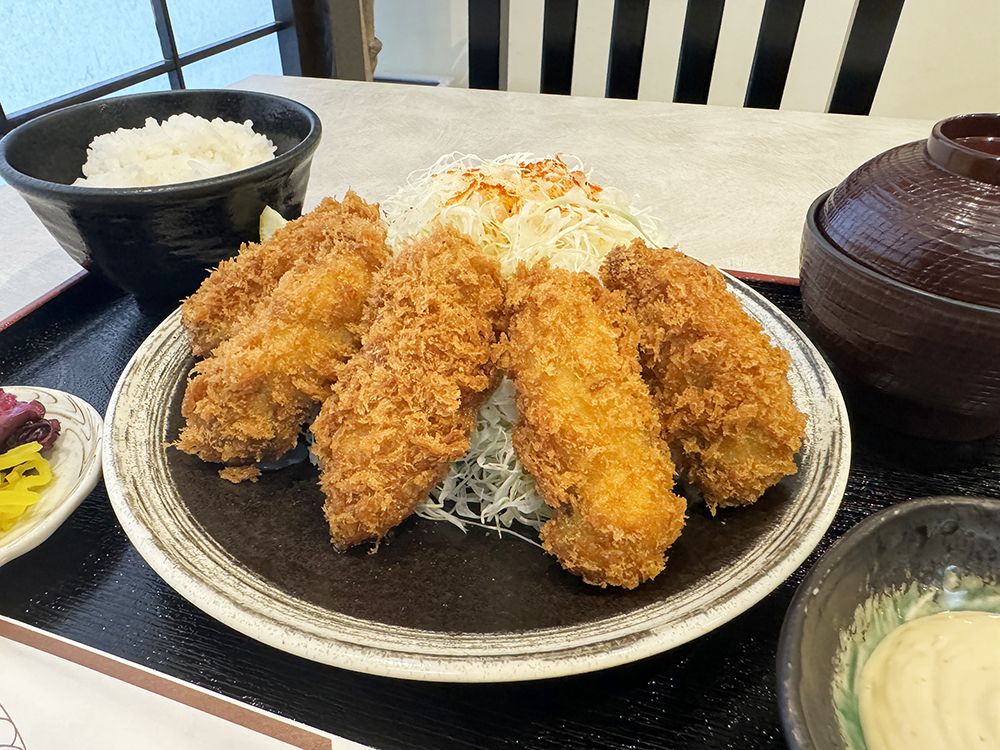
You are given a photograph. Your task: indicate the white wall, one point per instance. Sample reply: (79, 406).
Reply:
(423, 39)
(945, 57)
(945, 60)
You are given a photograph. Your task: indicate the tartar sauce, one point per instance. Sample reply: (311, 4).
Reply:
(934, 682)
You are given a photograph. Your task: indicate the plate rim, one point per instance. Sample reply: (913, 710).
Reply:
(450, 657)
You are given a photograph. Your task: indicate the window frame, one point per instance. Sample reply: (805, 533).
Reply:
(173, 62)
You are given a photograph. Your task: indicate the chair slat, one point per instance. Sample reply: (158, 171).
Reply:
(628, 36)
(702, 23)
(819, 47)
(864, 57)
(734, 55)
(558, 42)
(524, 55)
(592, 48)
(660, 56)
(485, 35)
(778, 29)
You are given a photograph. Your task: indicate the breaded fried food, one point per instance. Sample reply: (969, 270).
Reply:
(249, 400)
(405, 405)
(237, 286)
(719, 382)
(587, 431)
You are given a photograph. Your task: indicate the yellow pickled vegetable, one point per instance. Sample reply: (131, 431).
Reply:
(22, 469)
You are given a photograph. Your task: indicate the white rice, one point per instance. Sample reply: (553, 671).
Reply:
(180, 149)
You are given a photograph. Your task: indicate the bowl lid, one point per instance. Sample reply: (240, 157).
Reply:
(927, 213)
(968, 146)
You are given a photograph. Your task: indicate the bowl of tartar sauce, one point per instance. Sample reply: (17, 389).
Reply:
(892, 641)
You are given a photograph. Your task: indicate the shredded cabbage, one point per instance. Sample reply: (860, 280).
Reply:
(488, 486)
(22, 469)
(520, 209)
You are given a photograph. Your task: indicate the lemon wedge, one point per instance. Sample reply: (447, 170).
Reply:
(270, 222)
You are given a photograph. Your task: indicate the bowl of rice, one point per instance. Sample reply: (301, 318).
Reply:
(151, 191)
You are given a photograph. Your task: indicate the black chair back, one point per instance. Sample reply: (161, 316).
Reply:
(864, 57)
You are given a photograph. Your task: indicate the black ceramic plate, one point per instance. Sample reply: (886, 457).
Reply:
(435, 603)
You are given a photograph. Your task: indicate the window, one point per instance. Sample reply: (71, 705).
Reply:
(59, 52)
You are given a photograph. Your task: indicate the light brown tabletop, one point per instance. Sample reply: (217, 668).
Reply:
(731, 186)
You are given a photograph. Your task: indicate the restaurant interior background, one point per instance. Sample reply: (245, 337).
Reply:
(944, 58)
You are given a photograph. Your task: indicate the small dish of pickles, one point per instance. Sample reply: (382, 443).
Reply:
(50, 460)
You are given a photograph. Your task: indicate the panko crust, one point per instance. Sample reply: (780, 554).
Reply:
(237, 286)
(405, 405)
(719, 383)
(587, 431)
(249, 400)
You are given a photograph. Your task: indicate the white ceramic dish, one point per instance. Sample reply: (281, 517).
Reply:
(76, 466)
(433, 604)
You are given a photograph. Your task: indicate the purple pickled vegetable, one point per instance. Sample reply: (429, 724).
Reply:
(7, 401)
(23, 422)
(14, 419)
(44, 431)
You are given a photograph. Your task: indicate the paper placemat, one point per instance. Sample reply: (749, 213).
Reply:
(55, 693)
